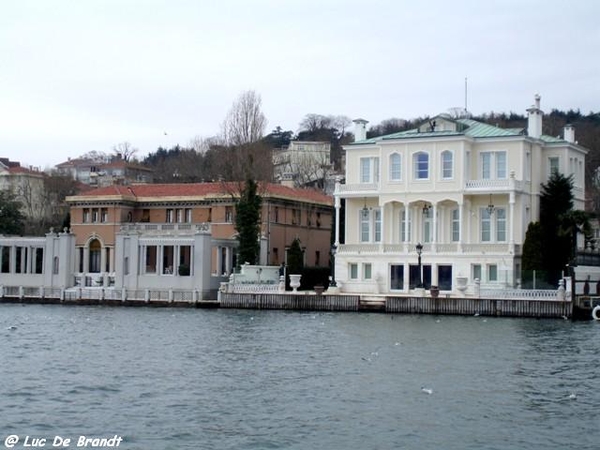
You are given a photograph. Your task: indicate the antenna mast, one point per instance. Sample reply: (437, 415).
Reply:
(466, 94)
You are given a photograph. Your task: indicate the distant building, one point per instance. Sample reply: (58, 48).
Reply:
(105, 173)
(303, 163)
(27, 184)
(464, 190)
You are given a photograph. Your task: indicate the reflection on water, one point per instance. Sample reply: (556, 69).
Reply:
(225, 379)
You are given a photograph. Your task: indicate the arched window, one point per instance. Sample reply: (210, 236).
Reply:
(95, 251)
(395, 167)
(447, 164)
(421, 165)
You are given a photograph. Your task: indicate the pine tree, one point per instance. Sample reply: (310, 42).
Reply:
(247, 223)
(11, 218)
(295, 258)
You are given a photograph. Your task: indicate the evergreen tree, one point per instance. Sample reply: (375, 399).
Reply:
(11, 218)
(532, 252)
(247, 223)
(295, 258)
(557, 220)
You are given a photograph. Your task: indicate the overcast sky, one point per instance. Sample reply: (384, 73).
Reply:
(85, 75)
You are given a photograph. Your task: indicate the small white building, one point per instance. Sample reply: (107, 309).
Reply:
(302, 163)
(466, 191)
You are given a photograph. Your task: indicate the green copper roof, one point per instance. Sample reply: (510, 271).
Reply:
(465, 127)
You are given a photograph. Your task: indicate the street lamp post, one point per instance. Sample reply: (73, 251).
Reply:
(419, 251)
(332, 283)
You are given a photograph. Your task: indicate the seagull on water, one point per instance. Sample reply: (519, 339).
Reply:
(425, 390)
(572, 396)
(12, 328)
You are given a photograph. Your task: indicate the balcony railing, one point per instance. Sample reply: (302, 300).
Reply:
(493, 185)
(438, 248)
(181, 228)
(357, 188)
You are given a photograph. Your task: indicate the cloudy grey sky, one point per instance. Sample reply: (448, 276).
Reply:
(85, 75)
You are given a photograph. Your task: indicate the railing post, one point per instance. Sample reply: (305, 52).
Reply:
(123, 294)
(147, 295)
(560, 294)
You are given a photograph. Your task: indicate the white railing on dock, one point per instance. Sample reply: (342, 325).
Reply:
(521, 294)
(253, 288)
(75, 294)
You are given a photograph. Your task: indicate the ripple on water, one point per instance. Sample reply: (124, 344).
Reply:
(230, 379)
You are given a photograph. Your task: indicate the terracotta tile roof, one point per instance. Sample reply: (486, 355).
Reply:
(179, 191)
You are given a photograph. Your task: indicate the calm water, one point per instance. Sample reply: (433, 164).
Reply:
(226, 379)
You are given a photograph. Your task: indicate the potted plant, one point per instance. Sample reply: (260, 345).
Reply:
(434, 291)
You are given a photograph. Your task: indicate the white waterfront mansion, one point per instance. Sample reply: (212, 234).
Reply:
(462, 190)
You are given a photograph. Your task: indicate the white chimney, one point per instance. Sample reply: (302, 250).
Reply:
(360, 129)
(534, 119)
(569, 133)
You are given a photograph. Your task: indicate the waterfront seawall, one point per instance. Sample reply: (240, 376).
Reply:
(338, 302)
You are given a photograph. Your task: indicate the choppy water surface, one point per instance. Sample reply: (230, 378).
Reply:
(226, 379)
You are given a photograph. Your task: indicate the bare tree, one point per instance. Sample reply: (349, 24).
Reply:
(125, 151)
(96, 156)
(245, 123)
(242, 155)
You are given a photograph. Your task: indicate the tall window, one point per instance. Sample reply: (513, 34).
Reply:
(369, 170)
(554, 165)
(486, 225)
(188, 215)
(151, 258)
(229, 214)
(455, 225)
(500, 225)
(404, 227)
(493, 225)
(370, 225)
(493, 165)
(492, 270)
(421, 164)
(95, 250)
(447, 164)
(476, 271)
(168, 259)
(367, 271)
(169, 216)
(365, 230)
(427, 225)
(395, 167)
(353, 269)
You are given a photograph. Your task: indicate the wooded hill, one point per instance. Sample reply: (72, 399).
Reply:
(217, 161)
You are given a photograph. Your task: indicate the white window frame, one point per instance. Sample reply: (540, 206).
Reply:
(367, 271)
(492, 272)
(428, 226)
(553, 165)
(493, 226)
(418, 171)
(395, 167)
(370, 225)
(455, 228)
(369, 169)
(353, 271)
(492, 165)
(405, 226)
(447, 165)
